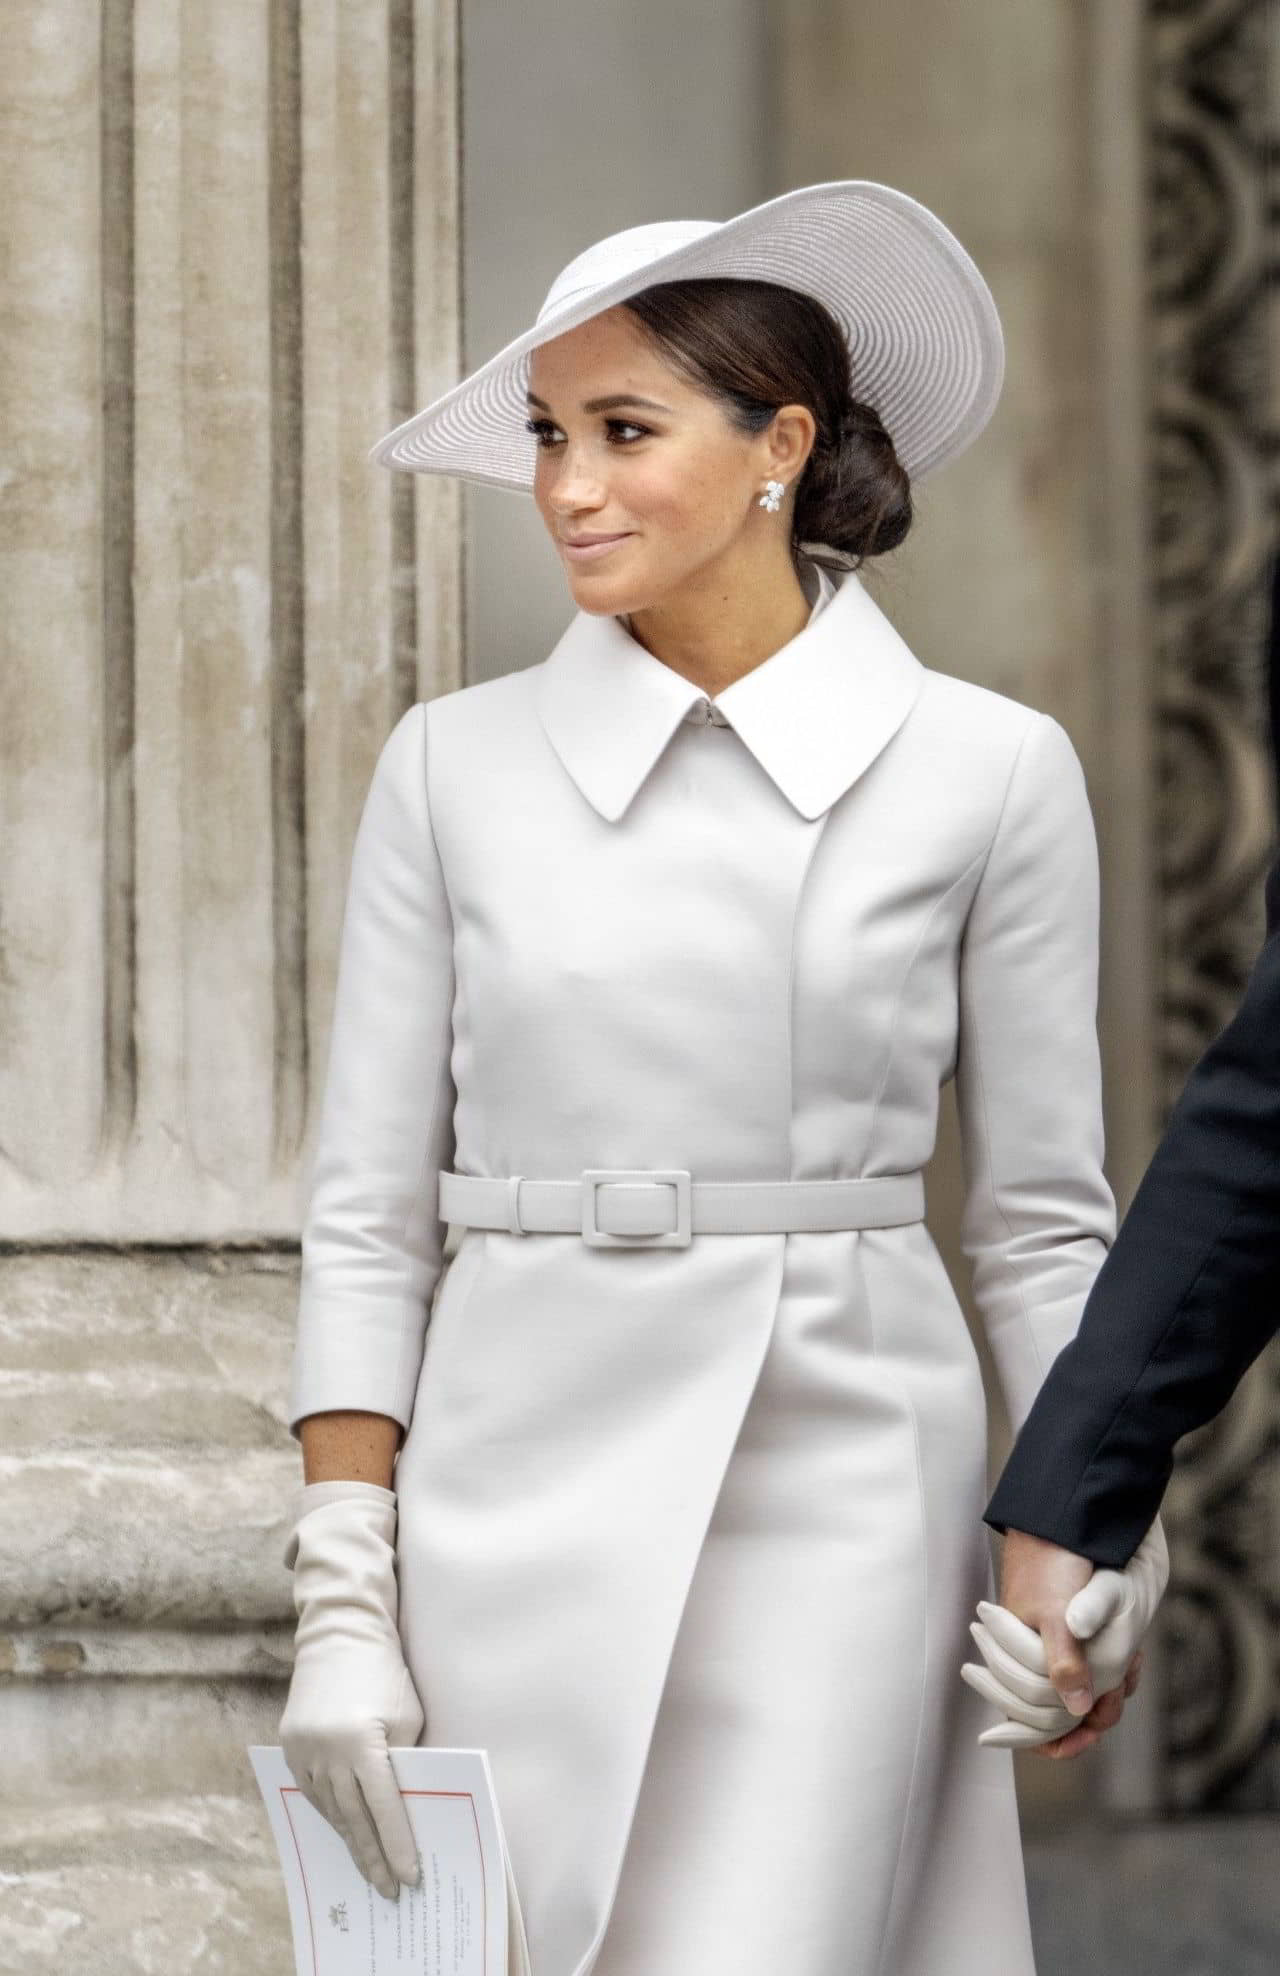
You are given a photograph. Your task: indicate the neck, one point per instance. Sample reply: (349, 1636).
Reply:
(722, 624)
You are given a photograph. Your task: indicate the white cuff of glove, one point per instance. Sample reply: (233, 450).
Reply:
(315, 1493)
(1111, 1615)
(351, 1696)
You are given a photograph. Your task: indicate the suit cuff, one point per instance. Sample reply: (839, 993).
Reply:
(1105, 1528)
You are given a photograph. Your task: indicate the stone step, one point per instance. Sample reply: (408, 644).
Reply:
(184, 1884)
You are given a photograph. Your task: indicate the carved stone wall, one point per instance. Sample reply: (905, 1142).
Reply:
(1213, 69)
(233, 265)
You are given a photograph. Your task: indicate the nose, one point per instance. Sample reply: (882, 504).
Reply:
(575, 483)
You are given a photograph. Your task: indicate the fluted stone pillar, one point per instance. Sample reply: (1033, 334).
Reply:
(233, 250)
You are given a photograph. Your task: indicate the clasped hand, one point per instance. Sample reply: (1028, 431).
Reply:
(1031, 1644)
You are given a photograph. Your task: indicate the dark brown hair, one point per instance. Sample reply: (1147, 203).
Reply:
(755, 346)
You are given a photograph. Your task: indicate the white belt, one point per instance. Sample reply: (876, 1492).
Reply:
(664, 1207)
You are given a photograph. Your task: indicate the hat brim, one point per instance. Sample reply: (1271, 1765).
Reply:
(924, 334)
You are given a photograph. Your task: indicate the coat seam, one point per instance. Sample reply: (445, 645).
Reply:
(1010, 1273)
(409, 1340)
(1031, 725)
(819, 837)
(467, 1295)
(914, 1775)
(901, 997)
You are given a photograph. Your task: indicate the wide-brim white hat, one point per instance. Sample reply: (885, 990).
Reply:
(923, 332)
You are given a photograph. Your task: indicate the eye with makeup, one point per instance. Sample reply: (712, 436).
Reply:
(540, 428)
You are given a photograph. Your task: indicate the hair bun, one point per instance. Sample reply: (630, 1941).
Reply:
(857, 420)
(855, 495)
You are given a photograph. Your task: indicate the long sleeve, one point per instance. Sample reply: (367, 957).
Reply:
(1038, 1212)
(1187, 1298)
(372, 1243)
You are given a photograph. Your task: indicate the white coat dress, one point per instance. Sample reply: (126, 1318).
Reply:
(689, 1538)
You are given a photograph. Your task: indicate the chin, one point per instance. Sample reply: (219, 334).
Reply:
(601, 598)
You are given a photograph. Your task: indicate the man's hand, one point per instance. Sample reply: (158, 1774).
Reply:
(1104, 1715)
(1061, 1655)
(1037, 1583)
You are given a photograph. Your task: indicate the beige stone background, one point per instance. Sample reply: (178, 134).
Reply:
(239, 243)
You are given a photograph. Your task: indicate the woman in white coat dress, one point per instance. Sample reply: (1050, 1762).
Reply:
(655, 958)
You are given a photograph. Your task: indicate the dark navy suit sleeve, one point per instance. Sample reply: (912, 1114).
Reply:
(1187, 1298)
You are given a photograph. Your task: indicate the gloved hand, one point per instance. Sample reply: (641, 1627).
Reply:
(351, 1694)
(1112, 1613)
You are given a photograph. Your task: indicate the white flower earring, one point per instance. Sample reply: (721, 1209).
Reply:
(772, 497)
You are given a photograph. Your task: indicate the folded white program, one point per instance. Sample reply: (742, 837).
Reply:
(462, 1920)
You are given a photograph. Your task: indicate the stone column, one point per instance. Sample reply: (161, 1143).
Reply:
(234, 251)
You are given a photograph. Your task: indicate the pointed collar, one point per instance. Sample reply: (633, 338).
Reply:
(815, 713)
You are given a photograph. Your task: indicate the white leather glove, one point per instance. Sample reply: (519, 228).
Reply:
(1112, 1613)
(351, 1694)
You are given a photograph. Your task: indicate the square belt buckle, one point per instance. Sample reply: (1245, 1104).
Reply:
(678, 1237)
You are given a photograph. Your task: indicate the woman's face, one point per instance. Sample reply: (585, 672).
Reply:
(659, 466)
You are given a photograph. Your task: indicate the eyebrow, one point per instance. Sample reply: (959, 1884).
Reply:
(612, 404)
